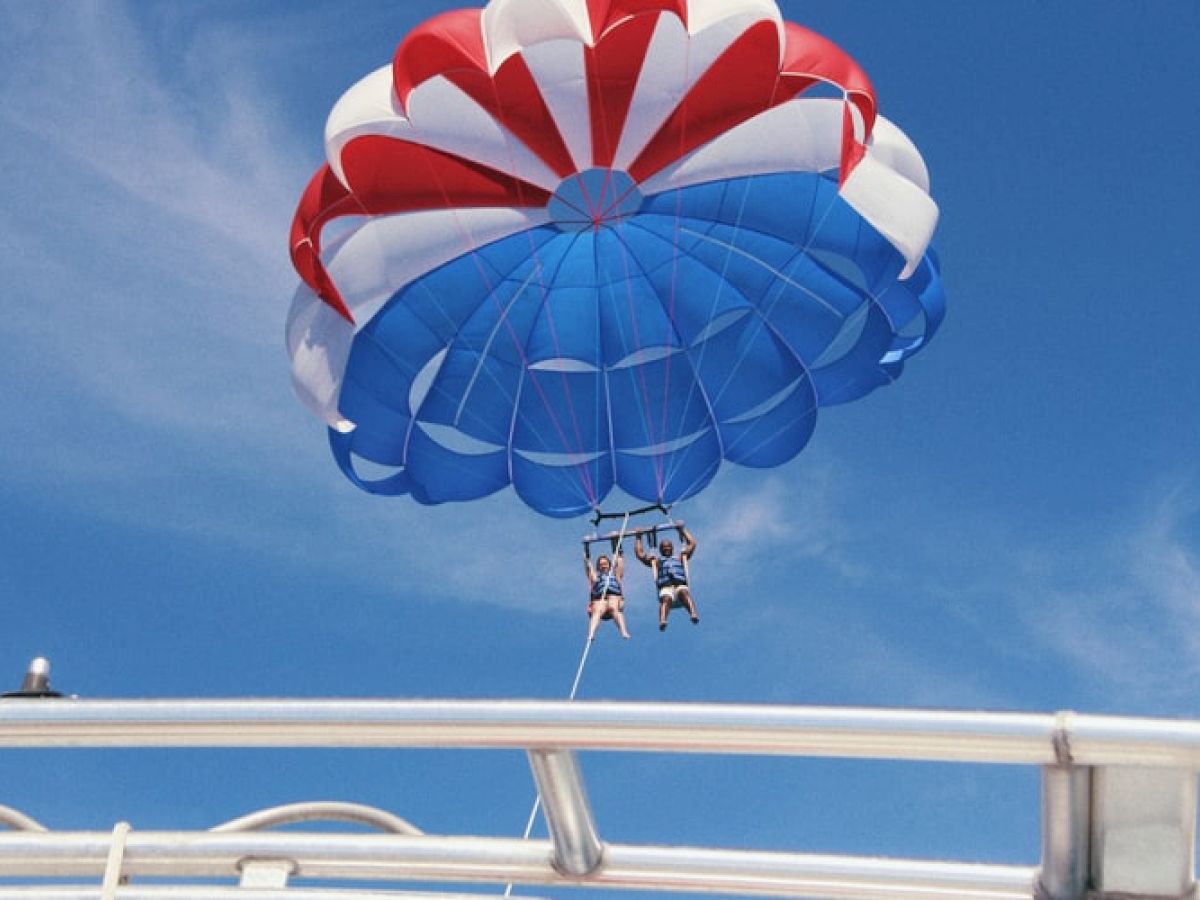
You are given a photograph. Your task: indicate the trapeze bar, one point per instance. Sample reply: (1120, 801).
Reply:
(629, 533)
(390, 858)
(1015, 738)
(598, 515)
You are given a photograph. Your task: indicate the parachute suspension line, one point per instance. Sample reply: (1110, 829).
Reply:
(471, 247)
(768, 307)
(665, 476)
(583, 658)
(519, 347)
(764, 311)
(539, 269)
(610, 148)
(696, 386)
(585, 476)
(771, 303)
(647, 418)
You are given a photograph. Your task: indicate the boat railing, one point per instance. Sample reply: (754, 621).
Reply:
(1118, 802)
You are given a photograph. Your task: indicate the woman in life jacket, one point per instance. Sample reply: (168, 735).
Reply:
(606, 598)
(670, 575)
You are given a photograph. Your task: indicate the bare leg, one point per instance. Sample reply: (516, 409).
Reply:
(619, 618)
(685, 595)
(664, 609)
(597, 615)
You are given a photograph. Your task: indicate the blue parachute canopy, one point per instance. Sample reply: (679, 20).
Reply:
(570, 313)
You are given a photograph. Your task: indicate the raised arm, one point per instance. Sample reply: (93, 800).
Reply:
(587, 567)
(640, 553)
(689, 545)
(619, 565)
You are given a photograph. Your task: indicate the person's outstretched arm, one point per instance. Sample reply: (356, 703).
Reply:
(689, 546)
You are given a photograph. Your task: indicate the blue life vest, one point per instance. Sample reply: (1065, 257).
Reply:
(670, 571)
(606, 584)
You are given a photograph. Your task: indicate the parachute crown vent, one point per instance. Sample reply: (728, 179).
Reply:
(594, 198)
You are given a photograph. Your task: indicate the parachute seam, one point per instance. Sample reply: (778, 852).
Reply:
(869, 295)
(520, 346)
(512, 428)
(722, 282)
(761, 315)
(675, 254)
(626, 255)
(523, 348)
(799, 248)
(763, 312)
(750, 307)
(585, 475)
(545, 310)
(476, 257)
(485, 352)
(524, 351)
(457, 326)
(697, 387)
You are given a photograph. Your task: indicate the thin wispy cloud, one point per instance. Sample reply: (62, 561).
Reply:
(1133, 624)
(1166, 559)
(757, 514)
(198, 143)
(147, 237)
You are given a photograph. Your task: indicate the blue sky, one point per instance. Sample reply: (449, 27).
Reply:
(1014, 525)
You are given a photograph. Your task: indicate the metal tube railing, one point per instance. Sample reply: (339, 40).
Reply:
(1015, 738)
(216, 892)
(477, 859)
(1085, 842)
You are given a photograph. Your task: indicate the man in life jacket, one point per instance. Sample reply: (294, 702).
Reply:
(670, 575)
(606, 598)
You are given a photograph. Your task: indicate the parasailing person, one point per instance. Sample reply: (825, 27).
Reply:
(606, 598)
(671, 575)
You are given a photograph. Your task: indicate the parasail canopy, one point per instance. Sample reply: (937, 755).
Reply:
(572, 245)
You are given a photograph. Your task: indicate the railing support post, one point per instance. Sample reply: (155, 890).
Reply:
(1066, 832)
(577, 847)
